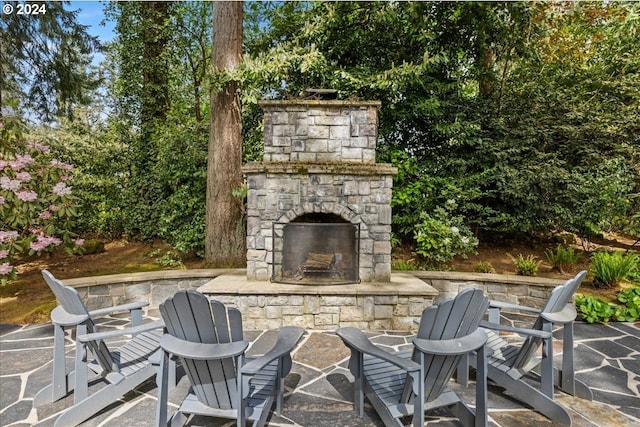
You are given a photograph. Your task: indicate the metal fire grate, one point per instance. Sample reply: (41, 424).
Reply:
(320, 253)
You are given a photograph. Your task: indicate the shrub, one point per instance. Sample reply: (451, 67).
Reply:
(37, 207)
(526, 266)
(609, 268)
(484, 267)
(440, 236)
(562, 258)
(593, 310)
(631, 299)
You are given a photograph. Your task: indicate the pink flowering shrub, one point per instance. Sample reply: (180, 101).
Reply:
(37, 205)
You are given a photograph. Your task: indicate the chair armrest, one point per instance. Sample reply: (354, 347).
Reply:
(566, 315)
(125, 307)
(158, 324)
(521, 331)
(201, 351)
(288, 337)
(355, 339)
(61, 317)
(507, 306)
(455, 346)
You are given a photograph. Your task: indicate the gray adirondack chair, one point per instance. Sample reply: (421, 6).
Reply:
(123, 369)
(412, 382)
(207, 338)
(510, 363)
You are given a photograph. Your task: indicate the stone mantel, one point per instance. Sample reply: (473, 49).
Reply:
(307, 103)
(351, 168)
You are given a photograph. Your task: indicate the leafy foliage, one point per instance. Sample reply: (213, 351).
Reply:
(440, 236)
(45, 60)
(609, 268)
(562, 258)
(526, 266)
(593, 310)
(36, 201)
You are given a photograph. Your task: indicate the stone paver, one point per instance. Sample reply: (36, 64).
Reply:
(319, 387)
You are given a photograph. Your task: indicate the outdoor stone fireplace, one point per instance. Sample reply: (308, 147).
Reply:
(319, 206)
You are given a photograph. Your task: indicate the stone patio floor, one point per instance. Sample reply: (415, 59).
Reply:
(319, 388)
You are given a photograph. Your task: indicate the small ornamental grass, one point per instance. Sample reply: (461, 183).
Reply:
(526, 266)
(484, 267)
(562, 258)
(609, 268)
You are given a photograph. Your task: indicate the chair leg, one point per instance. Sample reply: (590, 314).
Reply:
(62, 383)
(481, 415)
(162, 381)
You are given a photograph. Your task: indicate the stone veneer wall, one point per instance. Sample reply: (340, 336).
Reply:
(262, 310)
(329, 312)
(319, 157)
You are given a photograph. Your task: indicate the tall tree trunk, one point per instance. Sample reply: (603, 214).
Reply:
(225, 234)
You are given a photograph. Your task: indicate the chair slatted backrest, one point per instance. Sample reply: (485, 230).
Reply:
(191, 316)
(71, 302)
(450, 319)
(558, 299)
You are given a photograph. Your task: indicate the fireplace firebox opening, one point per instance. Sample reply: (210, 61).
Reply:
(320, 249)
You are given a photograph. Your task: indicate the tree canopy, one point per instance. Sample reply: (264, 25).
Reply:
(512, 119)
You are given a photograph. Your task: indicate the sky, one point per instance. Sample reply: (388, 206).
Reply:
(91, 14)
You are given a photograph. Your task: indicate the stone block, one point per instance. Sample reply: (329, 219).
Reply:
(255, 313)
(495, 288)
(542, 293)
(351, 153)
(301, 128)
(403, 324)
(350, 188)
(283, 130)
(261, 274)
(296, 300)
(363, 326)
(304, 321)
(161, 293)
(256, 255)
(380, 325)
(326, 319)
(277, 300)
(311, 304)
(97, 302)
(351, 314)
(329, 309)
(416, 309)
(339, 132)
(317, 145)
(337, 300)
(385, 299)
(363, 188)
(100, 290)
(269, 324)
(318, 132)
(382, 248)
(368, 156)
(292, 310)
(400, 310)
(278, 117)
(281, 141)
(142, 289)
(273, 312)
(383, 312)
